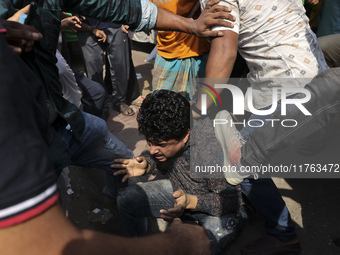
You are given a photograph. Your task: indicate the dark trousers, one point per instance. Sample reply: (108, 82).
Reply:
(93, 94)
(330, 46)
(122, 78)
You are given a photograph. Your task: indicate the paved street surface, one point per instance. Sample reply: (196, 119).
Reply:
(313, 203)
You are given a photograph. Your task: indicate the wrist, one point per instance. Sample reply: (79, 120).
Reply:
(191, 26)
(192, 202)
(92, 30)
(148, 167)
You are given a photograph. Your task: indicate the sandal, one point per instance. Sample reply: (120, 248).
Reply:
(124, 109)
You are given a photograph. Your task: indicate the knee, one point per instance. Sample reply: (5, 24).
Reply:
(95, 125)
(128, 199)
(101, 126)
(323, 43)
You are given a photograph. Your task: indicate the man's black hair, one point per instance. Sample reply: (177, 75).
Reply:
(164, 115)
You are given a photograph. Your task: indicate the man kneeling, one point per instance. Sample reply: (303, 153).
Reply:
(164, 119)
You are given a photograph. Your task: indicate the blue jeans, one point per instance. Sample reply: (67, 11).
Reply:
(97, 149)
(263, 193)
(143, 200)
(264, 142)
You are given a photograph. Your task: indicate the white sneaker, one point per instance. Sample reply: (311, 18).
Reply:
(231, 142)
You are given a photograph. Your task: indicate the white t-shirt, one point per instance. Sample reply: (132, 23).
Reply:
(277, 43)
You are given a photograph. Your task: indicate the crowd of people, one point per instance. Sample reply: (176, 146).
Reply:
(42, 129)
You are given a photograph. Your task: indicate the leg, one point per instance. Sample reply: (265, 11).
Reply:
(93, 52)
(140, 201)
(119, 59)
(133, 86)
(325, 101)
(267, 200)
(94, 95)
(330, 46)
(97, 149)
(93, 56)
(267, 140)
(264, 195)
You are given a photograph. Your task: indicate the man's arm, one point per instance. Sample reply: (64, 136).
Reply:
(218, 201)
(223, 51)
(52, 233)
(222, 55)
(211, 16)
(142, 15)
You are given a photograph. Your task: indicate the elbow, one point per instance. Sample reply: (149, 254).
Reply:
(233, 54)
(231, 57)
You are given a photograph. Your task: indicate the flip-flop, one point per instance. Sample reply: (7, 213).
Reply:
(124, 108)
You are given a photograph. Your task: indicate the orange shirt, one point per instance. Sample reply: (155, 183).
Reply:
(175, 44)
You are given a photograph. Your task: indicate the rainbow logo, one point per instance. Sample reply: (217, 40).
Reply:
(209, 93)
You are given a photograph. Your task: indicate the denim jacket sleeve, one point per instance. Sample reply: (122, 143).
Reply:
(138, 14)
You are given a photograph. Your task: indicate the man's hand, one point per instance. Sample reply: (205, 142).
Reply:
(20, 37)
(73, 23)
(182, 198)
(196, 238)
(131, 167)
(172, 213)
(213, 15)
(125, 29)
(313, 2)
(100, 34)
(182, 201)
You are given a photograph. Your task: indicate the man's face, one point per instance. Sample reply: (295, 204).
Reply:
(164, 150)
